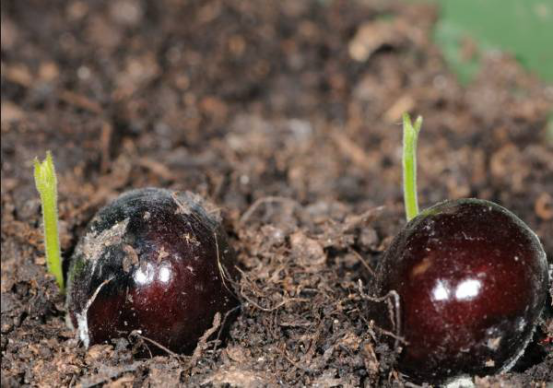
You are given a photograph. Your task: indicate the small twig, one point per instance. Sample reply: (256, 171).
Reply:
(244, 275)
(391, 335)
(364, 262)
(137, 333)
(274, 308)
(105, 142)
(202, 342)
(224, 322)
(392, 295)
(254, 304)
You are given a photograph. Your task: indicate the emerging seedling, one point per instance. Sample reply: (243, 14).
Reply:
(46, 184)
(152, 262)
(410, 138)
(472, 280)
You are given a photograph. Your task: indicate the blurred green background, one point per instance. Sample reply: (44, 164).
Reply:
(523, 28)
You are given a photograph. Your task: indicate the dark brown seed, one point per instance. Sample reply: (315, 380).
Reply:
(472, 281)
(153, 261)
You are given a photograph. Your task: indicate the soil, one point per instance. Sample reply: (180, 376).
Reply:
(286, 115)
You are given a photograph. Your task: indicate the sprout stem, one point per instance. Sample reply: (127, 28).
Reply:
(410, 136)
(46, 184)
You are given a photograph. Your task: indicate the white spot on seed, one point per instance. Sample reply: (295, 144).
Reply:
(468, 289)
(144, 275)
(440, 291)
(82, 317)
(164, 274)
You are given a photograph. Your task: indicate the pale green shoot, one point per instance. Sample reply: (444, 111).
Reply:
(46, 184)
(410, 136)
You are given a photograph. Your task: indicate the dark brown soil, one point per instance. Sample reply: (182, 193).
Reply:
(286, 115)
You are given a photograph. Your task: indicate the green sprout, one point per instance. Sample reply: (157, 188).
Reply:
(46, 184)
(410, 136)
